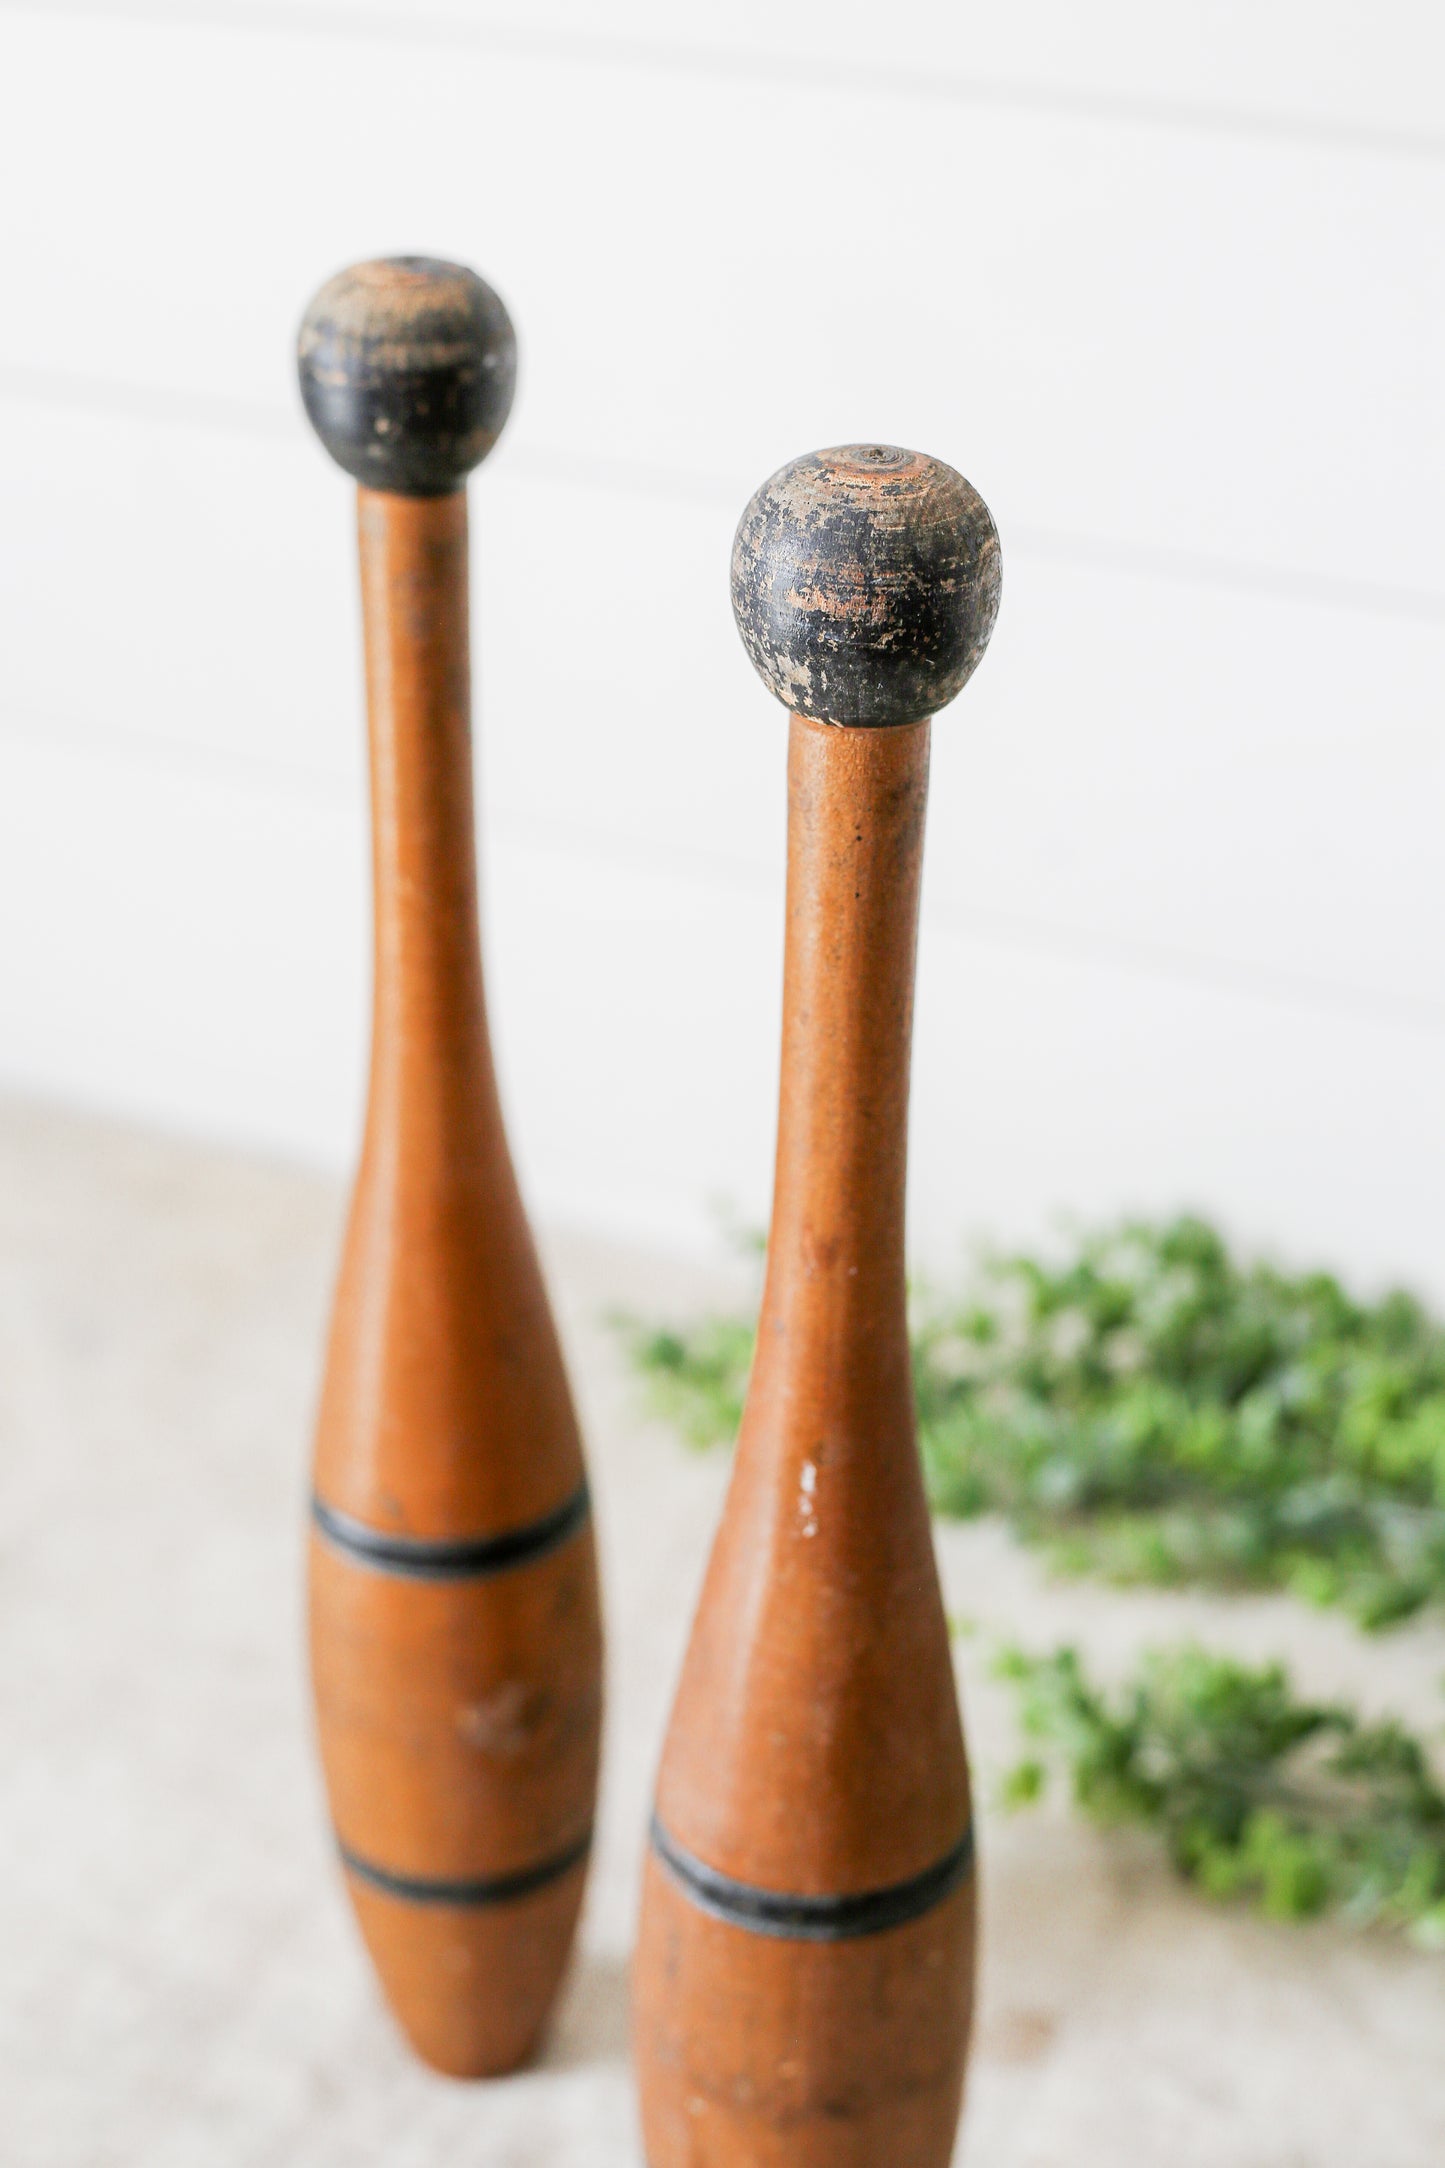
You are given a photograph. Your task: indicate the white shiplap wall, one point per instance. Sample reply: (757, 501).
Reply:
(1165, 282)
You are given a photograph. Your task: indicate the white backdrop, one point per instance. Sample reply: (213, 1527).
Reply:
(1166, 283)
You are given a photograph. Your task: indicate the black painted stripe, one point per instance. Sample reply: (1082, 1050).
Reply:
(427, 1558)
(497, 1889)
(814, 1919)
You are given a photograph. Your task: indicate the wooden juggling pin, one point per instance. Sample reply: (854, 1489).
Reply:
(455, 1636)
(805, 1969)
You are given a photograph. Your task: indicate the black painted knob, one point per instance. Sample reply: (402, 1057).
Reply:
(865, 584)
(407, 371)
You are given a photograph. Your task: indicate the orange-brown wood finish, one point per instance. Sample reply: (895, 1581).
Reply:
(815, 1745)
(458, 1683)
(804, 1976)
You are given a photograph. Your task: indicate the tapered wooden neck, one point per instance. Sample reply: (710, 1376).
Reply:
(834, 1300)
(429, 1033)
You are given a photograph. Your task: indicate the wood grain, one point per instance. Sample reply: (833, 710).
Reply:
(815, 1748)
(455, 1634)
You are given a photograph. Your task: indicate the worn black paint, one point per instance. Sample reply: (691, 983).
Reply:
(493, 1889)
(465, 1558)
(814, 1919)
(407, 369)
(865, 584)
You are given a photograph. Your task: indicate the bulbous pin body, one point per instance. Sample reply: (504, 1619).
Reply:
(455, 1634)
(804, 1975)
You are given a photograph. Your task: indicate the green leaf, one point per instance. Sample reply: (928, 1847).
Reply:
(1295, 1807)
(1154, 1410)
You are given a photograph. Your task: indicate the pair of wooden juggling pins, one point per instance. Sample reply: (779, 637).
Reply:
(804, 1971)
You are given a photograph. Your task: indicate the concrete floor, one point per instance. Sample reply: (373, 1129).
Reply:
(180, 1986)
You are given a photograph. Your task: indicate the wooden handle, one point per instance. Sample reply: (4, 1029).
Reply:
(804, 1974)
(456, 1653)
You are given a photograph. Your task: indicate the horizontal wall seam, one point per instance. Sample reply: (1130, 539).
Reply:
(1008, 930)
(1148, 560)
(865, 78)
